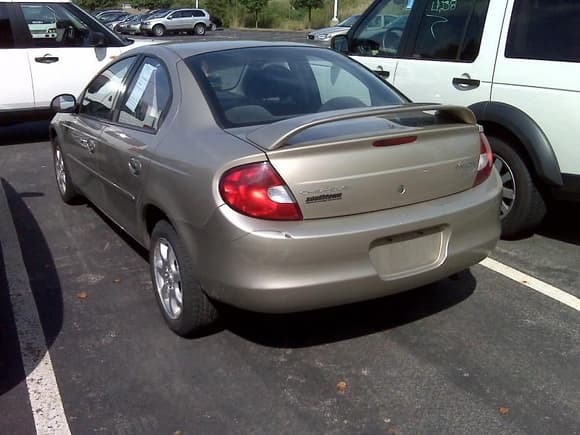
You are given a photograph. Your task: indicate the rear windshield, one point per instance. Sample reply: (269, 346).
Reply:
(253, 86)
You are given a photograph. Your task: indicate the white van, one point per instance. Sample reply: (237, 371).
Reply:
(515, 63)
(49, 48)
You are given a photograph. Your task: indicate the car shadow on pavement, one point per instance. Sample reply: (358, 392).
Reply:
(349, 321)
(25, 132)
(561, 222)
(44, 283)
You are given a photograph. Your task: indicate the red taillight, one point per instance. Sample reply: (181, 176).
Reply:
(485, 163)
(256, 190)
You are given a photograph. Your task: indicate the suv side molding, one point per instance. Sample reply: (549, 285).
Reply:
(529, 134)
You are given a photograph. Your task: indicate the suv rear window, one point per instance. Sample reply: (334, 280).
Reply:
(545, 30)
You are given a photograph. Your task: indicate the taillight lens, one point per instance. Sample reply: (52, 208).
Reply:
(256, 190)
(485, 164)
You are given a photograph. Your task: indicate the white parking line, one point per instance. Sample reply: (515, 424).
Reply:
(533, 283)
(44, 396)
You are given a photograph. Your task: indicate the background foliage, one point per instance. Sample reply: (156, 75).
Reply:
(272, 14)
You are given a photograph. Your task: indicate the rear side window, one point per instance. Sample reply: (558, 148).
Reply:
(451, 30)
(6, 38)
(545, 30)
(101, 94)
(147, 100)
(198, 14)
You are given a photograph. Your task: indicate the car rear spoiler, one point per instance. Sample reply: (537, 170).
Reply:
(275, 135)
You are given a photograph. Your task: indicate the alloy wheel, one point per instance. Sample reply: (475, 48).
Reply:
(60, 171)
(508, 193)
(168, 278)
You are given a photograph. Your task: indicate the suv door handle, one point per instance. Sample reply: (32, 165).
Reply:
(46, 59)
(465, 83)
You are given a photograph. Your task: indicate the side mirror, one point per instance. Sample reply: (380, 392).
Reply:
(64, 103)
(339, 43)
(96, 39)
(170, 17)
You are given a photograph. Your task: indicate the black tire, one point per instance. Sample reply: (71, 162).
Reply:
(197, 313)
(521, 214)
(64, 183)
(199, 29)
(158, 30)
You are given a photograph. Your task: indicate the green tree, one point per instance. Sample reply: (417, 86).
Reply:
(150, 4)
(254, 7)
(307, 4)
(92, 5)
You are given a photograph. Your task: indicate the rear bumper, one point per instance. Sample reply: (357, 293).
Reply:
(296, 266)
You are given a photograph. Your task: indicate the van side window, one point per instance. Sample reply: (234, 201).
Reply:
(451, 30)
(545, 30)
(6, 38)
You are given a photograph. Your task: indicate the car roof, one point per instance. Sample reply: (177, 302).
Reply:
(187, 49)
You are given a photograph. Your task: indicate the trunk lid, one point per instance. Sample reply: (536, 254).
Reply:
(348, 162)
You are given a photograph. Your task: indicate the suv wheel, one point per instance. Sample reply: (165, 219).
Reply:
(522, 205)
(199, 29)
(184, 305)
(158, 30)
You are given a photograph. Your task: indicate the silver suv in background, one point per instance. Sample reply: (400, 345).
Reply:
(179, 20)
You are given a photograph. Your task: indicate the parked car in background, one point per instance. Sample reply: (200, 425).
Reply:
(49, 48)
(106, 16)
(114, 23)
(103, 12)
(325, 35)
(194, 21)
(131, 26)
(515, 63)
(275, 177)
(216, 23)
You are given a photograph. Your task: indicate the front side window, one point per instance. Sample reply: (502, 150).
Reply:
(59, 25)
(380, 33)
(148, 98)
(450, 30)
(545, 30)
(254, 86)
(101, 94)
(6, 38)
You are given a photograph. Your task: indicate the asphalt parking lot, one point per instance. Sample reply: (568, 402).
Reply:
(476, 353)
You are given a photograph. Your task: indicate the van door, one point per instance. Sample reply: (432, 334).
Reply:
(538, 71)
(15, 80)
(60, 52)
(377, 42)
(452, 56)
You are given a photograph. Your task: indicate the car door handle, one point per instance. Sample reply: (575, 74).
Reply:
(88, 144)
(134, 166)
(46, 59)
(382, 73)
(465, 83)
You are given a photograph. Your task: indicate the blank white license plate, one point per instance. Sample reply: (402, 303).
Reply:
(408, 254)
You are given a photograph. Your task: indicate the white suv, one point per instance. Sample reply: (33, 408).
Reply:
(48, 48)
(515, 63)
